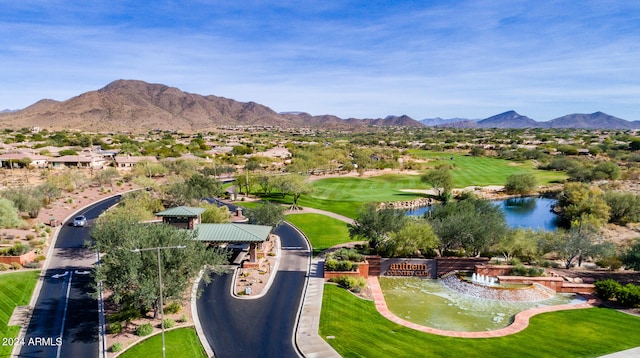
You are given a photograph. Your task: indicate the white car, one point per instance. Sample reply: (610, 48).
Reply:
(80, 221)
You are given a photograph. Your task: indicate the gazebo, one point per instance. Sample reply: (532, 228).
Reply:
(186, 217)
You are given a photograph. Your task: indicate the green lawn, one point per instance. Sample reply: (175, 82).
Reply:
(323, 231)
(181, 342)
(15, 290)
(345, 195)
(470, 171)
(360, 331)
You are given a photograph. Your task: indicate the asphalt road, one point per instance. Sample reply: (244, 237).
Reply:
(65, 320)
(262, 327)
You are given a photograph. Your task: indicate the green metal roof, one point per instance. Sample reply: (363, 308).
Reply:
(182, 211)
(232, 232)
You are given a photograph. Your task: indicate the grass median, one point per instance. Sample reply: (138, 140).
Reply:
(356, 329)
(322, 231)
(181, 342)
(16, 289)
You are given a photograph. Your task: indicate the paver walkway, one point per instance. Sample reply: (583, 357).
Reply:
(521, 320)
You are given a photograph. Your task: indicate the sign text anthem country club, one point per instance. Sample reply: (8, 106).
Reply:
(408, 269)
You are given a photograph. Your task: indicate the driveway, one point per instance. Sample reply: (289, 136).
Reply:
(262, 327)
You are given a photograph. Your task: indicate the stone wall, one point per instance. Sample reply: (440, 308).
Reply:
(448, 264)
(22, 259)
(407, 204)
(425, 268)
(362, 271)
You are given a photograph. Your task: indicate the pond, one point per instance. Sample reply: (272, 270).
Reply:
(527, 212)
(430, 303)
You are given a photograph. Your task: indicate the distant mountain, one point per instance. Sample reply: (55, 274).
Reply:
(591, 121)
(509, 119)
(7, 110)
(130, 105)
(137, 106)
(431, 122)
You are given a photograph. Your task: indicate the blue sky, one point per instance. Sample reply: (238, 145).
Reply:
(470, 59)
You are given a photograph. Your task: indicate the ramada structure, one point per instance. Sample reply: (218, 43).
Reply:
(217, 234)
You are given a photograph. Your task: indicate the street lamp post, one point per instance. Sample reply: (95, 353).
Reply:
(160, 281)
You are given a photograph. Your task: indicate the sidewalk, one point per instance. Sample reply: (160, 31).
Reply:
(307, 337)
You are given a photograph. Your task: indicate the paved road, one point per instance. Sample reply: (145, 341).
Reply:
(262, 327)
(65, 321)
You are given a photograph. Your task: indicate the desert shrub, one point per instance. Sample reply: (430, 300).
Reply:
(606, 289)
(40, 258)
(144, 329)
(115, 328)
(116, 347)
(628, 295)
(336, 265)
(30, 237)
(352, 283)
(345, 254)
(184, 318)
(33, 265)
(173, 307)
(16, 250)
(4, 267)
(521, 270)
(15, 266)
(613, 263)
(169, 323)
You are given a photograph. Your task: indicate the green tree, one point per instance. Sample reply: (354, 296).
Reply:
(215, 214)
(571, 245)
(133, 276)
(521, 243)
(375, 225)
(149, 169)
(472, 225)
(521, 184)
(579, 203)
(196, 188)
(416, 237)
(631, 257)
(266, 214)
(624, 207)
(106, 176)
(266, 183)
(441, 180)
(26, 200)
(9, 217)
(606, 170)
(298, 185)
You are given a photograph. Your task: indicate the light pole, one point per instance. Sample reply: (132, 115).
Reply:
(160, 280)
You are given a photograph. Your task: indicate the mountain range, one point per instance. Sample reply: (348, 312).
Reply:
(137, 106)
(512, 119)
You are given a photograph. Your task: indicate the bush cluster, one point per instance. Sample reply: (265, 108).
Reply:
(115, 328)
(337, 265)
(169, 323)
(173, 307)
(627, 295)
(16, 250)
(521, 270)
(144, 329)
(351, 283)
(116, 347)
(347, 255)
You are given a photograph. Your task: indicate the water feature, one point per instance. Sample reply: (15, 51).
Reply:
(527, 212)
(431, 303)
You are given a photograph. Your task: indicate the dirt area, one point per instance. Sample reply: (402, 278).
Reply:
(252, 281)
(59, 210)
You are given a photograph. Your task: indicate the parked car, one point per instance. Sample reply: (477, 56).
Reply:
(80, 221)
